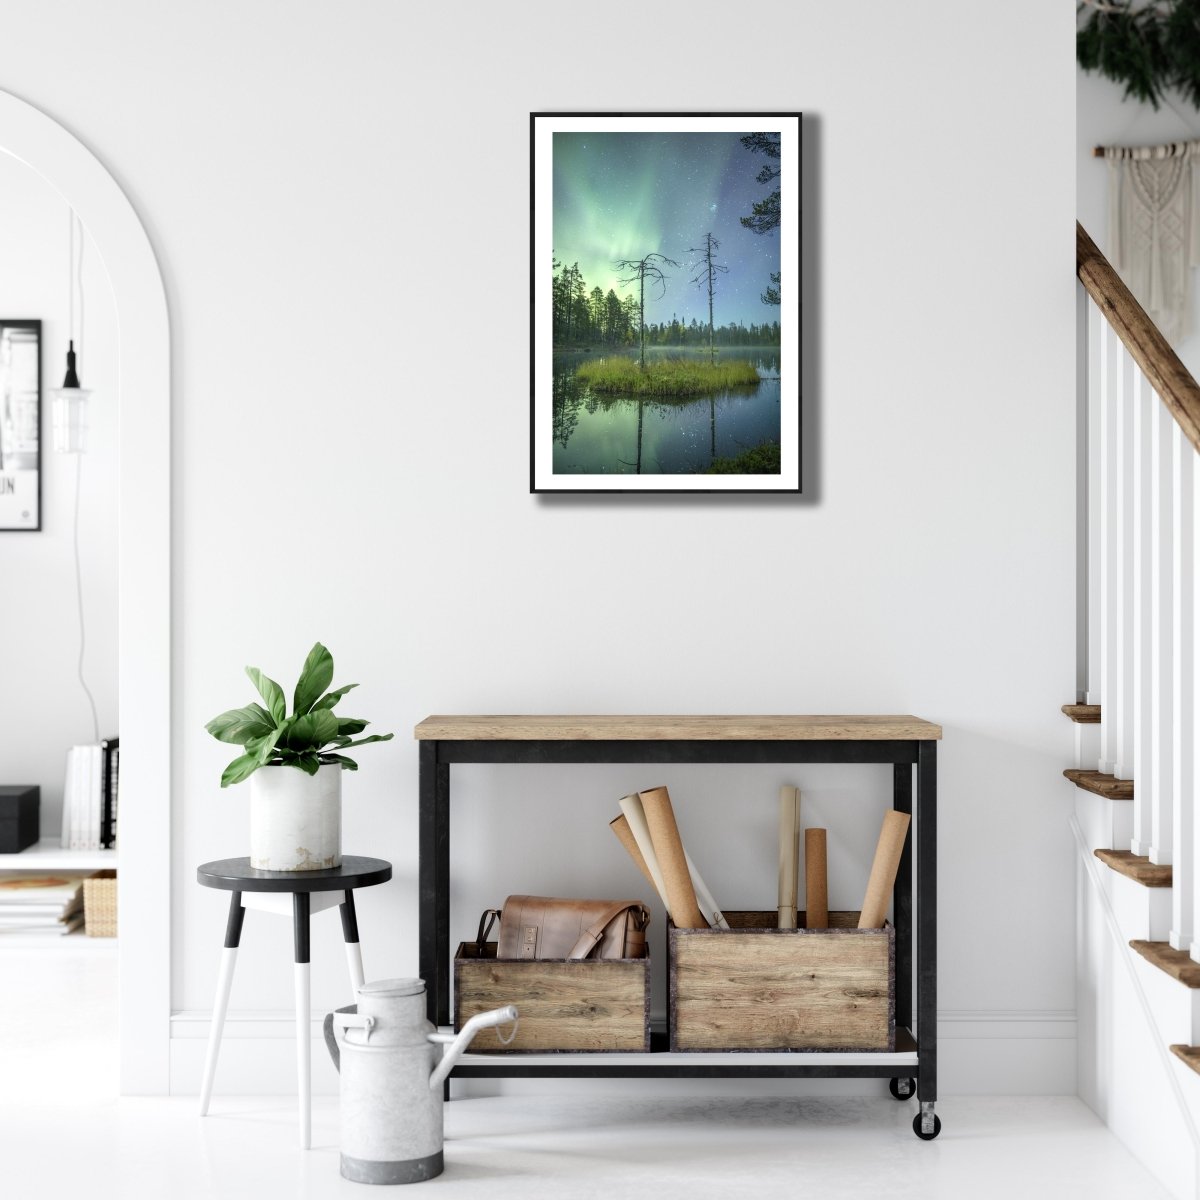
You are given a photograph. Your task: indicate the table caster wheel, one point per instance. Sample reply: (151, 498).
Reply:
(927, 1137)
(902, 1089)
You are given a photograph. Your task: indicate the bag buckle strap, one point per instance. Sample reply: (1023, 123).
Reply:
(485, 926)
(595, 931)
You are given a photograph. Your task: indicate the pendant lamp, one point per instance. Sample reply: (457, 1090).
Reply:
(70, 402)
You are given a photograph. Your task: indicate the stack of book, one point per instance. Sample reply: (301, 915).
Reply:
(90, 796)
(44, 902)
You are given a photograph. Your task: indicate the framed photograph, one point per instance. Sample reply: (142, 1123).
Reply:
(665, 265)
(20, 425)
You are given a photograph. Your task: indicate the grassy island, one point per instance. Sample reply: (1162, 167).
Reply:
(761, 460)
(666, 377)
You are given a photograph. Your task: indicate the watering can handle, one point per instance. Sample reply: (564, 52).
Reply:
(343, 1018)
(331, 1042)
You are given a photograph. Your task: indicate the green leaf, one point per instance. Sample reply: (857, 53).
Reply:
(351, 725)
(309, 763)
(241, 768)
(315, 676)
(375, 737)
(263, 748)
(311, 731)
(241, 725)
(270, 691)
(348, 764)
(331, 698)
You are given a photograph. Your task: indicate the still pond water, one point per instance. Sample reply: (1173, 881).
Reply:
(611, 435)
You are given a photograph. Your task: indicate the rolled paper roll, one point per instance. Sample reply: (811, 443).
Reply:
(635, 818)
(789, 854)
(816, 880)
(883, 869)
(620, 826)
(672, 862)
(704, 898)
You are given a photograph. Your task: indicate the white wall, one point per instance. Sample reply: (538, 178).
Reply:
(1104, 118)
(335, 203)
(43, 709)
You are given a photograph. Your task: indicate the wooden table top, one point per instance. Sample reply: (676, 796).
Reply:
(855, 728)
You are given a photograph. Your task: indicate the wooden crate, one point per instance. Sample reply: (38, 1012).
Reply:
(756, 987)
(564, 1005)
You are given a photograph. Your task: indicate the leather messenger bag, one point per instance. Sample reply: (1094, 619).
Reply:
(543, 927)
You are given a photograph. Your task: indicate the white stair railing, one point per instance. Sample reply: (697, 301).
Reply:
(1141, 551)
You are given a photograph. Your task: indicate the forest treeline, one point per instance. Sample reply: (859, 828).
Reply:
(592, 318)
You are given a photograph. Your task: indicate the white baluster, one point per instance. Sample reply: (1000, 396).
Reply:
(1183, 757)
(1109, 423)
(1195, 702)
(1146, 405)
(1095, 347)
(1127, 374)
(1161, 636)
(1082, 447)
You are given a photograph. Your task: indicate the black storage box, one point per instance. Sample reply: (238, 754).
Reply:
(19, 816)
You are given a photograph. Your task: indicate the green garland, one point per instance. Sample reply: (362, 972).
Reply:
(1150, 48)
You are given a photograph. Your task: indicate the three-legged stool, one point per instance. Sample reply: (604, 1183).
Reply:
(311, 891)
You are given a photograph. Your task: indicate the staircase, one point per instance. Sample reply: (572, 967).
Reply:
(1137, 721)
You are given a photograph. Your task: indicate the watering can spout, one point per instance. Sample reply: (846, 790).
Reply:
(455, 1050)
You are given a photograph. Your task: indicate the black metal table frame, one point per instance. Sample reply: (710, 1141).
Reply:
(438, 755)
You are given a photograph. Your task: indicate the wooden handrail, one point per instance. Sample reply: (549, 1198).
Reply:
(1146, 345)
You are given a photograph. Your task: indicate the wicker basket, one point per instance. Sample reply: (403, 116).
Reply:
(100, 904)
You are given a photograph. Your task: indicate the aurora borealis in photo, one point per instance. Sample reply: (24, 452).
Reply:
(625, 195)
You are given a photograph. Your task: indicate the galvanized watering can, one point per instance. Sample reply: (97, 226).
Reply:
(392, 1072)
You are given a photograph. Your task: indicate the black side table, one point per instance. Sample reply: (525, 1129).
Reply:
(310, 891)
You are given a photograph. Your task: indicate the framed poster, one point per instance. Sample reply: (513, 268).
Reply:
(665, 266)
(20, 425)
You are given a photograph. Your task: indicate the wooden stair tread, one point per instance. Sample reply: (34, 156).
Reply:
(1189, 1054)
(1136, 867)
(1177, 963)
(1083, 714)
(1108, 786)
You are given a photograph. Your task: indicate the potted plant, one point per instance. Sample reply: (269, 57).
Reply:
(294, 764)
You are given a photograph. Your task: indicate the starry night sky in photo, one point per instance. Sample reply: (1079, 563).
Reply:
(626, 195)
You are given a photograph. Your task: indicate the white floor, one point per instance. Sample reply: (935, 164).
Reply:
(64, 1134)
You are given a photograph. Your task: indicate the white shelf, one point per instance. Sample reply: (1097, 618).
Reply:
(48, 855)
(668, 1059)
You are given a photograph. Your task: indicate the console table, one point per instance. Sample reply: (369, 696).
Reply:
(903, 742)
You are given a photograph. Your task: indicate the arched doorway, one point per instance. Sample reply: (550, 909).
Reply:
(144, 577)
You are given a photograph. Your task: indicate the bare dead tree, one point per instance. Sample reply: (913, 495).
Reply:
(706, 275)
(638, 270)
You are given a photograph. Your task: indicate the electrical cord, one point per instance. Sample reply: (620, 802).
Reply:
(79, 600)
(77, 264)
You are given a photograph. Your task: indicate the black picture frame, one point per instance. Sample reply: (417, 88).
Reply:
(568, 192)
(20, 425)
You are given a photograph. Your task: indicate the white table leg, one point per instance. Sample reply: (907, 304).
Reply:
(304, 1053)
(353, 946)
(215, 1029)
(354, 962)
(233, 935)
(301, 910)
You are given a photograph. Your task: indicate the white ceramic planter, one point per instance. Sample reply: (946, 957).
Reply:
(296, 819)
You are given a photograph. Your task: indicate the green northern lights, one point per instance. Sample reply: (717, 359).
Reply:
(625, 195)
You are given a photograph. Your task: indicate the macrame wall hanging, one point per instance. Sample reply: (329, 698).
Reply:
(1154, 227)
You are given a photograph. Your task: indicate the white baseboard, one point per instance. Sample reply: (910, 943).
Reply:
(980, 1053)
